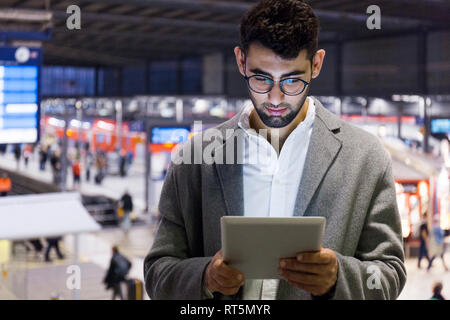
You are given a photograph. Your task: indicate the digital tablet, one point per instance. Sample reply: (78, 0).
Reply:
(254, 245)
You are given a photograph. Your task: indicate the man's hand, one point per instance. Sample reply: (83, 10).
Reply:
(222, 278)
(314, 272)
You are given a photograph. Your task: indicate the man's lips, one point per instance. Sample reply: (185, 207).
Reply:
(276, 112)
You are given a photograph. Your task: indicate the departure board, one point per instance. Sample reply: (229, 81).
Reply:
(440, 126)
(19, 94)
(161, 135)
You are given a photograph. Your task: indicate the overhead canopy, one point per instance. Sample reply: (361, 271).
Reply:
(44, 215)
(117, 32)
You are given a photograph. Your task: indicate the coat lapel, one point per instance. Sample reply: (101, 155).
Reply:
(323, 149)
(230, 177)
(231, 174)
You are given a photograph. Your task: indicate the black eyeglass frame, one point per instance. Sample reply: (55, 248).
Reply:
(272, 82)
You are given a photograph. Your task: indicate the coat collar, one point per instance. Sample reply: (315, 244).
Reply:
(323, 149)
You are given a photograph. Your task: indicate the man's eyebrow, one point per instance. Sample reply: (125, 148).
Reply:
(292, 73)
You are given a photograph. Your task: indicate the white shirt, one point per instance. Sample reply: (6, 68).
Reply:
(271, 182)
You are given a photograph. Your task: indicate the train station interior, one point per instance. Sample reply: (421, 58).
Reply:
(95, 95)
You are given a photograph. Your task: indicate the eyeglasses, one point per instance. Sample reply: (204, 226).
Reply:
(263, 84)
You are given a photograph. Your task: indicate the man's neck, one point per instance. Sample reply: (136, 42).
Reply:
(280, 134)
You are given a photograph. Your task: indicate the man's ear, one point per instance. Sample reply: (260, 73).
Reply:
(317, 63)
(240, 60)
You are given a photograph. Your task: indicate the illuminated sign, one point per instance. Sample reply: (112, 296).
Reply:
(19, 95)
(162, 135)
(440, 126)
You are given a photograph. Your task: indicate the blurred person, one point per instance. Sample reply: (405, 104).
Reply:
(17, 153)
(77, 150)
(26, 154)
(43, 155)
(37, 246)
(437, 289)
(55, 158)
(123, 163)
(437, 243)
(100, 163)
(119, 267)
(55, 162)
(88, 161)
(126, 203)
(5, 184)
(53, 242)
(3, 147)
(76, 172)
(423, 237)
(326, 167)
(129, 158)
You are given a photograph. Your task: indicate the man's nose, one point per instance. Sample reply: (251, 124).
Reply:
(276, 96)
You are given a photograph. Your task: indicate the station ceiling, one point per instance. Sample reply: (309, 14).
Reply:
(117, 32)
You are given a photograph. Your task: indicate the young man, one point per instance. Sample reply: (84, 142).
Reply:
(309, 163)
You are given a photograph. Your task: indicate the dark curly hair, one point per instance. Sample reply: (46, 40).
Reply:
(284, 26)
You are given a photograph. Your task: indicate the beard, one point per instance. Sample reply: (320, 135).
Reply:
(279, 121)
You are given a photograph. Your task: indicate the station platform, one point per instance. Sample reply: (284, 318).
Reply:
(30, 277)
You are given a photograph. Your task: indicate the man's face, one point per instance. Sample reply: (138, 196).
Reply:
(274, 108)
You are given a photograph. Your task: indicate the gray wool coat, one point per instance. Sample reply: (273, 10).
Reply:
(347, 179)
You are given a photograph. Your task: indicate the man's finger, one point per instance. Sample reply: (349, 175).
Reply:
(213, 285)
(299, 277)
(229, 291)
(294, 265)
(226, 271)
(323, 256)
(227, 282)
(224, 290)
(223, 285)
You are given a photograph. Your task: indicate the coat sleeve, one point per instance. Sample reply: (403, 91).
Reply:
(169, 270)
(377, 270)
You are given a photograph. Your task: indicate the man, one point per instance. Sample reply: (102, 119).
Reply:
(53, 242)
(437, 248)
(319, 166)
(119, 267)
(423, 236)
(126, 203)
(17, 153)
(437, 291)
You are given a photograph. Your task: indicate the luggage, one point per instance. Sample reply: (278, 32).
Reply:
(134, 289)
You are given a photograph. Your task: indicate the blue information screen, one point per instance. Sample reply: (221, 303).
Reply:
(440, 126)
(19, 94)
(162, 135)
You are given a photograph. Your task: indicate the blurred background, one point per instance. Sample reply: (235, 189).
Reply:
(94, 95)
